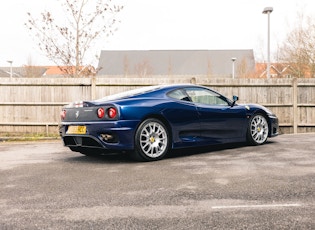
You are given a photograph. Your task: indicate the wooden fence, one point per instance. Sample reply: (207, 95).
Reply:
(29, 105)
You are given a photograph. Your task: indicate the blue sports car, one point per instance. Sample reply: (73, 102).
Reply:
(150, 121)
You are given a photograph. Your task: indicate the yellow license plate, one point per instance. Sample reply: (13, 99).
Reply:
(76, 129)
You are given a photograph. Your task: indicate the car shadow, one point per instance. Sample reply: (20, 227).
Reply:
(114, 158)
(119, 157)
(177, 153)
(210, 149)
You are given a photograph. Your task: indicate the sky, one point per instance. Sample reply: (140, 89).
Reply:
(164, 25)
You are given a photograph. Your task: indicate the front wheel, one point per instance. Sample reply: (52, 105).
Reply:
(151, 140)
(258, 130)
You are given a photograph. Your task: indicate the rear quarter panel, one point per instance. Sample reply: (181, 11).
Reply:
(181, 117)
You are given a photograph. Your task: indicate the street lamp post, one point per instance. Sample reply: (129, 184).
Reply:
(11, 70)
(268, 10)
(233, 67)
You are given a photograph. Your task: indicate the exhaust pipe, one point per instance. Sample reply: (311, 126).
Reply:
(107, 137)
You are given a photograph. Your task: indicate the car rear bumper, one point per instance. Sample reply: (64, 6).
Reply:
(113, 135)
(274, 126)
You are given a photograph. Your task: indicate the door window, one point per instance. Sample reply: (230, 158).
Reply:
(207, 97)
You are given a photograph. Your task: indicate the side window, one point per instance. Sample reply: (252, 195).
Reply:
(179, 94)
(204, 96)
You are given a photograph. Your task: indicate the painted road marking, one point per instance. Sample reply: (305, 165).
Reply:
(256, 206)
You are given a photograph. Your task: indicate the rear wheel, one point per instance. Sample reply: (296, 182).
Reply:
(258, 130)
(151, 140)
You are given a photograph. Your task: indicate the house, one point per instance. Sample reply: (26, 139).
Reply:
(16, 72)
(45, 71)
(209, 63)
(4, 73)
(66, 71)
(24, 71)
(277, 70)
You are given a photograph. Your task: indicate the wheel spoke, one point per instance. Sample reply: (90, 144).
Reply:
(259, 129)
(153, 139)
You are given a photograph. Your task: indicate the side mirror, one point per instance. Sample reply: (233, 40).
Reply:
(235, 99)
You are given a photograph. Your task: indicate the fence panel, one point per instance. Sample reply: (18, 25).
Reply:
(29, 105)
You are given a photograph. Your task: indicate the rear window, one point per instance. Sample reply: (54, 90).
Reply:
(129, 93)
(179, 94)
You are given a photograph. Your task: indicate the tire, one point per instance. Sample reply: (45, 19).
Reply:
(258, 130)
(151, 141)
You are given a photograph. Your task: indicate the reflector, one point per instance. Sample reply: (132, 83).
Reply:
(63, 114)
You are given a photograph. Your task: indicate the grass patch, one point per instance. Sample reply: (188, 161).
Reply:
(27, 136)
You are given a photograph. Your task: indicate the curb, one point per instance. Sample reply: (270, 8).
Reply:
(4, 139)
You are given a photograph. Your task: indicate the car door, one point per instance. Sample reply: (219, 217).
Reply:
(220, 122)
(183, 116)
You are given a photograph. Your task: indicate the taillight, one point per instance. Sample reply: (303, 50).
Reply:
(100, 113)
(63, 114)
(111, 112)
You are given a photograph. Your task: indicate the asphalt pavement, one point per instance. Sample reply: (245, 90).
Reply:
(43, 185)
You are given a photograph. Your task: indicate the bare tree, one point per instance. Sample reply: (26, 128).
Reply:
(170, 67)
(31, 71)
(298, 49)
(143, 68)
(126, 66)
(67, 42)
(242, 69)
(209, 68)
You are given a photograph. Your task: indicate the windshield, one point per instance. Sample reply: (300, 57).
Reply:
(129, 93)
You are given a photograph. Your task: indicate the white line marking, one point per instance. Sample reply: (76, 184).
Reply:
(256, 206)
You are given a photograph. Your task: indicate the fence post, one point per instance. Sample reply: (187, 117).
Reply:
(93, 88)
(295, 105)
(47, 130)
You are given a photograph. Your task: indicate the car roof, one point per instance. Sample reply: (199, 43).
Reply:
(154, 91)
